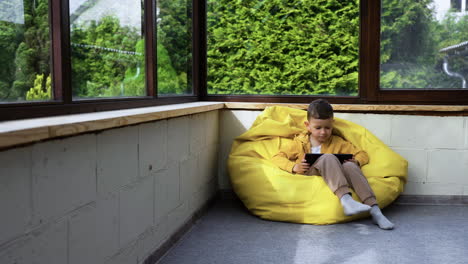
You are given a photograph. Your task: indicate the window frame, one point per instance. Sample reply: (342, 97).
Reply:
(63, 104)
(376, 95)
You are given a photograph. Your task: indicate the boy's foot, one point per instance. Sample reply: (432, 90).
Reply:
(352, 207)
(379, 219)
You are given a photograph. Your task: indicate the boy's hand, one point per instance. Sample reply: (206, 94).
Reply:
(301, 168)
(353, 161)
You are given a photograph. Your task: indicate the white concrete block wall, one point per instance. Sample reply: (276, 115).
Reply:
(188, 175)
(437, 142)
(117, 159)
(427, 132)
(167, 191)
(107, 226)
(212, 123)
(63, 173)
(178, 139)
(197, 134)
(19, 251)
(15, 185)
(197, 199)
(466, 132)
(49, 244)
(379, 125)
(110, 197)
(136, 210)
(447, 165)
(435, 147)
(417, 163)
(82, 241)
(152, 147)
(45, 244)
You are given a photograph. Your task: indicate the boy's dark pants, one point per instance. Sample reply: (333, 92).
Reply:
(339, 177)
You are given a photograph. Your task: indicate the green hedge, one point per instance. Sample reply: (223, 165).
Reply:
(283, 47)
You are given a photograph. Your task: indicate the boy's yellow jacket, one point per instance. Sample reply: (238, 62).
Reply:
(293, 152)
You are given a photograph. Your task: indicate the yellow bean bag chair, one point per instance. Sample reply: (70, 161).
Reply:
(274, 194)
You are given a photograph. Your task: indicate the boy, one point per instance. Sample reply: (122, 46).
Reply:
(339, 177)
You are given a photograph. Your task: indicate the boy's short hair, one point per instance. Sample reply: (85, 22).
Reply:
(319, 109)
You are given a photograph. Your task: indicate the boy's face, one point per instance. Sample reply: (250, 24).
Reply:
(320, 129)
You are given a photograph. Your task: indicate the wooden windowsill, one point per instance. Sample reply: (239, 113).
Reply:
(21, 132)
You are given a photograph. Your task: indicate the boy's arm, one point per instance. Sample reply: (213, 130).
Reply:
(358, 154)
(362, 157)
(287, 153)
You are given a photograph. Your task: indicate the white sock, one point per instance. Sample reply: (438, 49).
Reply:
(352, 207)
(379, 219)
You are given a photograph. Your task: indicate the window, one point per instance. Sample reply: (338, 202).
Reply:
(107, 49)
(234, 68)
(25, 72)
(455, 5)
(85, 55)
(283, 47)
(421, 51)
(378, 47)
(174, 49)
(72, 56)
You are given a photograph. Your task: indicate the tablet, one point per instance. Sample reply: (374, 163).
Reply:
(311, 158)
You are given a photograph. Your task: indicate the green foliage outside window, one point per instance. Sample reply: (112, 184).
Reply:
(174, 35)
(279, 47)
(106, 58)
(283, 47)
(168, 80)
(24, 51)
(311, 47)
(97, 71)
(37, 92)
(411, 38)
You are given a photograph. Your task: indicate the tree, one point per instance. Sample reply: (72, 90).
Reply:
(405, 31)
(174, 30)
(33, 53)
(37, 92)
(102, 52)
(24, 50)
(410, 43)
(10, 38)
(133, 83)
(168, 82)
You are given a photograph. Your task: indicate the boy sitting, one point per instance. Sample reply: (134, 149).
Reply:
(339, 177)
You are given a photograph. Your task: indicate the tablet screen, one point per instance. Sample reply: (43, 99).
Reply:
(311, 158)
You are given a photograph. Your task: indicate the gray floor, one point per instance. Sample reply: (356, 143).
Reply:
(229, 234)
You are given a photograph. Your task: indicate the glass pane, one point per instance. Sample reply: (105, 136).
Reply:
(281, 47)
(25, 72)
(455, 5)
(107, 48)
(423, 45)
(174, 31)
